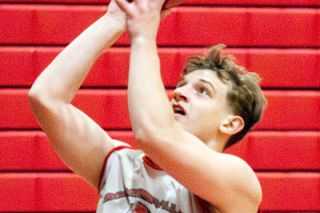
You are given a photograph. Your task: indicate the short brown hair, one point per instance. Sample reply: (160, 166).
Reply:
(245, 96)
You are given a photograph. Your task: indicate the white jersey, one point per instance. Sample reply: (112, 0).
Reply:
(131, 182)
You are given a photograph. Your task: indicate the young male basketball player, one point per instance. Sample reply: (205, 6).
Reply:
(181, 167)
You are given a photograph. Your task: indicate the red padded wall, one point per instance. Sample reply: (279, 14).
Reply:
(24, 64)
(279, 39)
(240, 26)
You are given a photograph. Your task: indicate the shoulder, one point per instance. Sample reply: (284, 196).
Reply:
(244, 178)
(121, 149)
(121, 158)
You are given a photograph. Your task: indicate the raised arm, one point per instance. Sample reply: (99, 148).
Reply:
(76, 138)
(225, 181)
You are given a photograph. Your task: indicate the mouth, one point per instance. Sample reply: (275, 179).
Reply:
(177, 109)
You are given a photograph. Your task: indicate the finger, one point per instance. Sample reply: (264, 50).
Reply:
(125, 6)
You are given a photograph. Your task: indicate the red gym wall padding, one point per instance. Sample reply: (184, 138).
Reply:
(24, 64)
(280, 115)
(237, 26)
(279, 39)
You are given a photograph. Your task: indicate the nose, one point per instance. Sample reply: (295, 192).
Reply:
(179, 94)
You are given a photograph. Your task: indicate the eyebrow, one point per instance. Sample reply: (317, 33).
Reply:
(209, 83)
(183, 80)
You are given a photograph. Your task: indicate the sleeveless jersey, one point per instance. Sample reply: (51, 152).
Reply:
(130, 182)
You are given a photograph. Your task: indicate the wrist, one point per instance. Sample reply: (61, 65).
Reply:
(143, 40)
(116, 23)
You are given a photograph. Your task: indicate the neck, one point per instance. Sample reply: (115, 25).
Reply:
(216, 145)
(214, 141)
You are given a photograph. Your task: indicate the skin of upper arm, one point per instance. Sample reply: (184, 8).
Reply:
(80, 142)
(226, 181)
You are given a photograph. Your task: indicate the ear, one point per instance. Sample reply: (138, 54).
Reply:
(231, 125)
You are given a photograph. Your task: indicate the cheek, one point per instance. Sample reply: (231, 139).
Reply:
(204, 109)
(210, 115)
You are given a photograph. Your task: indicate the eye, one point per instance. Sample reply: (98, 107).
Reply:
(203, 91)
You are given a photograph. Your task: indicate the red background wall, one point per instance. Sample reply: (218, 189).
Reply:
(279, 39)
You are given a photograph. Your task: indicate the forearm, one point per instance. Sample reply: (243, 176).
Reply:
(63, 77)
(148, 102)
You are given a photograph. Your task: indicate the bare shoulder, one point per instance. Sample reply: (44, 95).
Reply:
(117, 143)
(244, 178)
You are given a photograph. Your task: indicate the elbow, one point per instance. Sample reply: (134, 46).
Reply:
(33, 93)
(33, 96)
(38, 100)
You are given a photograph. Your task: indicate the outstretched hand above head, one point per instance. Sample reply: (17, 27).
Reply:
(143, 17)
(116, 14)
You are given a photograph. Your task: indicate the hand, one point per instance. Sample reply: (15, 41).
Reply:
(116, 14)
(143, 17)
